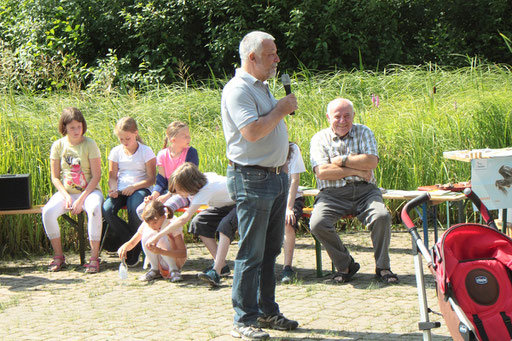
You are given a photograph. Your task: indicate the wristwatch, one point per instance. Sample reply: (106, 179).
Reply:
(344, 160)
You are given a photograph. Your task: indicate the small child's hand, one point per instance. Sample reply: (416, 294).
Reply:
(122, 252)
(155, 195)
(77, 206)
(290, 217)
(153, 248)
(152, 241)
(113, 193)
(128, 191)
(69, 203)
(164, 198)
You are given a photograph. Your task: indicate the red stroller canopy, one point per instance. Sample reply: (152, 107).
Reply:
(467, 242)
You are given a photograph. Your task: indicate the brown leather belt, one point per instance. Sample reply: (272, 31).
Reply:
(275, 170)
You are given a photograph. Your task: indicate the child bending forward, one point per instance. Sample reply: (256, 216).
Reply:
(168, 256)
(204, 189)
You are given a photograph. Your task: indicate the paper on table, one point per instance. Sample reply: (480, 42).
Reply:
(399, 192)
(468, 155)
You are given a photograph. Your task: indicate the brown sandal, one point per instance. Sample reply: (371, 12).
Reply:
(58, 263)
(389, 278)
(92, 269)
(341, 277)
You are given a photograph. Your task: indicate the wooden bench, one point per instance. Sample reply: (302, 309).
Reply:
(78, 224)
(306, 213)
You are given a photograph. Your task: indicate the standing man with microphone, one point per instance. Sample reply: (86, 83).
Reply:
(257, 148)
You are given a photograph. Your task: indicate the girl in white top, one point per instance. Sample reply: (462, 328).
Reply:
(294, 207)
(169, 255)
(75, 171)
(132, 171)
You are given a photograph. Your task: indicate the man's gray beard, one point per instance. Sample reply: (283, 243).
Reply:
(273, 73)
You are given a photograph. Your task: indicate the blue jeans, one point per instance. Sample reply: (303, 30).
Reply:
(120, 229)
(260, 199)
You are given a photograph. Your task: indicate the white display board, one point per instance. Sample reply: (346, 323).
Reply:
(491, 180)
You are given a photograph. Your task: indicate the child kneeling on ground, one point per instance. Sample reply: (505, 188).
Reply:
(169, 255)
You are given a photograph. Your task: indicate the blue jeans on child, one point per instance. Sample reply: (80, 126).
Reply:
(260, 198)
(120, 229)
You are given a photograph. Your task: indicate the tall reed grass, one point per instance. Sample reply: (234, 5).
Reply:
(423, 111)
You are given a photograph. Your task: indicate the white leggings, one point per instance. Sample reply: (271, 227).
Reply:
(167, 263)
(56, 207)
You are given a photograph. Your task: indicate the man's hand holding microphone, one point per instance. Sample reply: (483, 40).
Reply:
(287, 104)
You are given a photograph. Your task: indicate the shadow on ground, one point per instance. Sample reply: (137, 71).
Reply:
(352, 335)
(31, 283)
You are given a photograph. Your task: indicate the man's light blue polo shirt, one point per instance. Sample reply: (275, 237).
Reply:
(244, 100)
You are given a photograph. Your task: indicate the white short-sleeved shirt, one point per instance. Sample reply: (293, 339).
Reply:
(214, 193)
(296, 165)
(131, 168)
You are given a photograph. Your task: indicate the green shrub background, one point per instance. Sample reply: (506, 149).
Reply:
(61, 44)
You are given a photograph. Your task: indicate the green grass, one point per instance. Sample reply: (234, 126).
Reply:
(471, 108)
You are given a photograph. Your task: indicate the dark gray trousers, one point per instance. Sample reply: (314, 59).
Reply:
(362, 200)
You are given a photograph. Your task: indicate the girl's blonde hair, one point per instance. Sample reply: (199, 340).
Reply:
(187, 178)
(172, 130)
(127, 124)
(154, 210)
(68, 115)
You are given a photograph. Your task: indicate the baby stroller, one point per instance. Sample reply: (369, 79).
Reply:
(471, 264)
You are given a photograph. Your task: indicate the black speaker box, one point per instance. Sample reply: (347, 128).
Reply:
(15, 192)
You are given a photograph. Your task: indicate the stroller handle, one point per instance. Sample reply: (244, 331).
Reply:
(406, 219)
(481, 207)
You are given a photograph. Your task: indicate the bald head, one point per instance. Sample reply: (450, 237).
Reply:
(339, 101)
(340, 113)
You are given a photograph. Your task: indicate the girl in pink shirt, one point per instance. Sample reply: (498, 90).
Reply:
(176, 151)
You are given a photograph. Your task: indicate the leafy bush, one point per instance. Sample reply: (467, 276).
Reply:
(52, 44)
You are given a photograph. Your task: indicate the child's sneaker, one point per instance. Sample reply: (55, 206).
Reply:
(211, 277)
(288, 275)
(150, 276)
(175, 276)
(224, 272)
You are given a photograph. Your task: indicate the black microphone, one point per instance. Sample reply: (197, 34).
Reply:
(285, 79)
